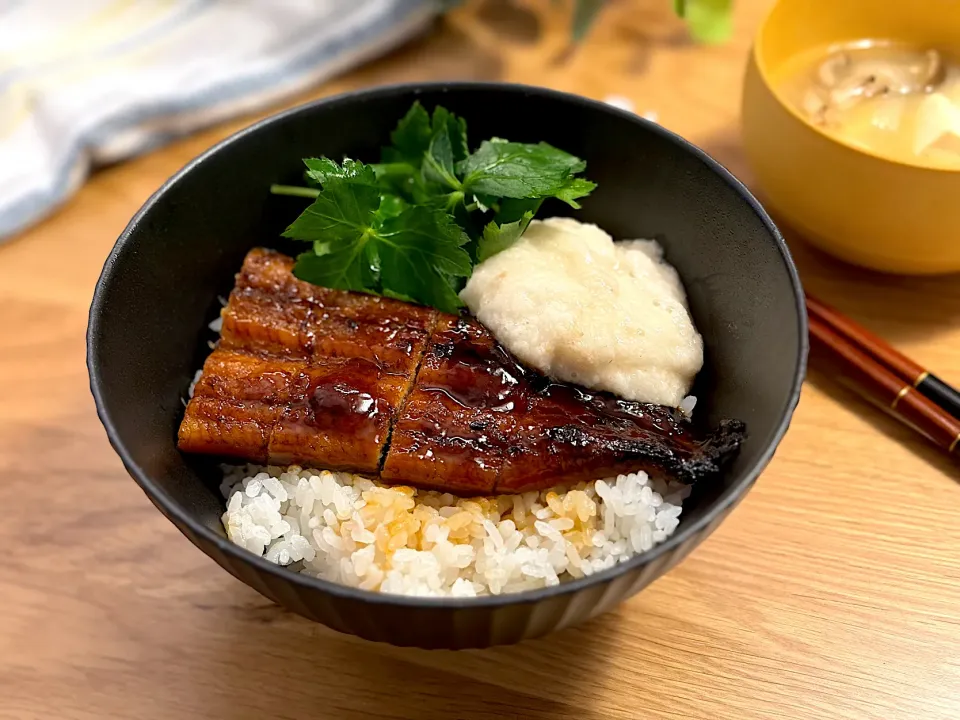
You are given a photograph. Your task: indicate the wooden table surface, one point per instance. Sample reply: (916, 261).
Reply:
(833, 591)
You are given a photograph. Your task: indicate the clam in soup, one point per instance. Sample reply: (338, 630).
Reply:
(894, 100)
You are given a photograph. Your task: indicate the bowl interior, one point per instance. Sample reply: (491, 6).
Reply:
(161, 284)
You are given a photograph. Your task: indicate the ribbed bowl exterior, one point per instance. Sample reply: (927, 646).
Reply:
(159, 288)
(454, 628)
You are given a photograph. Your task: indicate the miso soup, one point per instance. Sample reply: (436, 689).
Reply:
(895, 100)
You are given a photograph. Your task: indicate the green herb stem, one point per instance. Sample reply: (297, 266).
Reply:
(295, 191)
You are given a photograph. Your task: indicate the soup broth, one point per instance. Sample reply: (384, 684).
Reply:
(895, 100)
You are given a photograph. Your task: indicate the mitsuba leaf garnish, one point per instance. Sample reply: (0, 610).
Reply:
(420, 252)
(506, 228)
(497, 238)
(412, 226)
(321, 169)
(378, 244)
(448, 146)
(410, 139)
(517, 170)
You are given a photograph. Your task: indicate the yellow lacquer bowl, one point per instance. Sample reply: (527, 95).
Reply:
(863, 208)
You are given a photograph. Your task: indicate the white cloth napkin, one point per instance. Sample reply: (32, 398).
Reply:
(85, 82)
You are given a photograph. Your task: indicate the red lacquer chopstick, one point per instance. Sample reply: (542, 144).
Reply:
(892, 359)
(888, 388)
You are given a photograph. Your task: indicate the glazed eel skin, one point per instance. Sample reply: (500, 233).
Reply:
(345, 381)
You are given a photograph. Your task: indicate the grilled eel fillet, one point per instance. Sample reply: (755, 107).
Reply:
(340, 380)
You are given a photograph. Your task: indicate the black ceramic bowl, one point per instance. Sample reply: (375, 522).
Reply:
(159, 290)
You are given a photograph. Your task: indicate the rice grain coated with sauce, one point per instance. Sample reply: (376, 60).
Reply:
(396, 539)
(569, 301)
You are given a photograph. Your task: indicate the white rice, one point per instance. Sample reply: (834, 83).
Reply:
(193, 383)
(396, 539)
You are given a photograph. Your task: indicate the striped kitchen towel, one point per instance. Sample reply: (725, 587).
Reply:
(86, 82)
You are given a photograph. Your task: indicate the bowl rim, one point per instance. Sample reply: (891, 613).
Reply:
(758, 57)
(184, 519)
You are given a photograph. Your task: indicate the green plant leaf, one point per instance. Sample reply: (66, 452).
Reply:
(411, 138)
(573, 189)
(392, 205)
(345, 266)
(446, 123)
(320, 169)
(420, 252)
(517, 170)
(507, 226)
(584, 14)
(343, 210)
(497, 238)
(710, 21)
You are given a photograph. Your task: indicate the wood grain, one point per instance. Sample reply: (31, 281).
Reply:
(832, 592)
